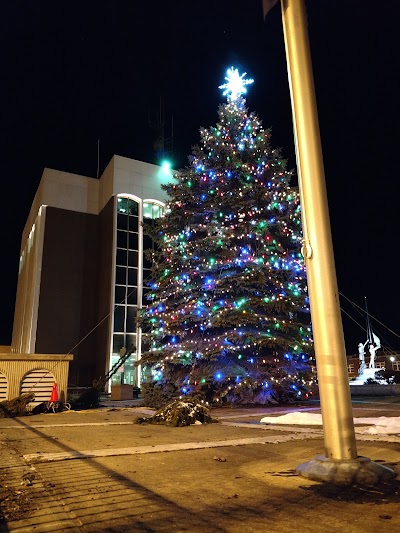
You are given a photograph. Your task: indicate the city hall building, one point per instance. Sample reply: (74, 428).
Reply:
(83, 268)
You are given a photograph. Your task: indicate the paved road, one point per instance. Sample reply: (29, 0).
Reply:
(98, 471)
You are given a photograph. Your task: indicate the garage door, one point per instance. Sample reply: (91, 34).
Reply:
(40, 382)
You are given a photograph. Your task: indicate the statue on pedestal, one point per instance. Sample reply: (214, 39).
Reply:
(372, 352)
(361, 356)
(367, 372)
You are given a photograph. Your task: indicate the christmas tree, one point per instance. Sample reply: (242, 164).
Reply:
(228, 316)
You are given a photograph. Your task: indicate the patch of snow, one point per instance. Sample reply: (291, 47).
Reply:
(382, 425)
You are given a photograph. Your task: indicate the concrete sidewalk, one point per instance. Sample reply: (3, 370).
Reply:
(98, 471)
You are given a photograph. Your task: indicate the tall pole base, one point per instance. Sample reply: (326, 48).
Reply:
(360, 471)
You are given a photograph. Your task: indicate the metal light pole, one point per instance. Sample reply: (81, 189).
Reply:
(340, 463)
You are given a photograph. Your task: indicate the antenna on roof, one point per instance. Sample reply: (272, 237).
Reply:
(163, 145)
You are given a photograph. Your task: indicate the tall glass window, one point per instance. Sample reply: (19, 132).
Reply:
(151, 211)
(126, 288)
(130, 284)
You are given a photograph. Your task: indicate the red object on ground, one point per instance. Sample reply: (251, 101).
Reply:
(54, 393)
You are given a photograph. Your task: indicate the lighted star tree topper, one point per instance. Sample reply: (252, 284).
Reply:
(235, 84)
(228, 316)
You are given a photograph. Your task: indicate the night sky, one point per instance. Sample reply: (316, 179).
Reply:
(74, 73)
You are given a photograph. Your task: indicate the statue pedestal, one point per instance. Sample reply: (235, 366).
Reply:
(368, 373)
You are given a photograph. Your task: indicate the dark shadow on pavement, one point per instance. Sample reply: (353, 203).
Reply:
(383, 493)
(139, 507)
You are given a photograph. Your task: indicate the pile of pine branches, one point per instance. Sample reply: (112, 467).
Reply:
(180, 413)
(16, 407)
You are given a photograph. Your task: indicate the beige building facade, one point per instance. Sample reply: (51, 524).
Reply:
(83, 272)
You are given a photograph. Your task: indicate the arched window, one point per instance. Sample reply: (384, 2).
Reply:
(132, 268)
(126, 272)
